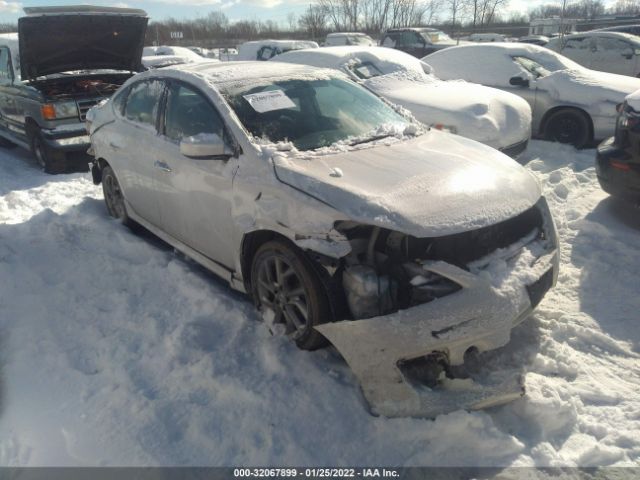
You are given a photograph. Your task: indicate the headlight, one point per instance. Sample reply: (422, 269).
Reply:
(53, 111)
(66, 109)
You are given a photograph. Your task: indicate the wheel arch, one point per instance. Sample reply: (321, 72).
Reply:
(551, 111)
(253, 240)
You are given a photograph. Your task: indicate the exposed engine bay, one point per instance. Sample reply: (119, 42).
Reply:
(385, 271)
(422, 310)
(78, 86)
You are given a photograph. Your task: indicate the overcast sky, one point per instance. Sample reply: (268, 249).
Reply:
(276, 10)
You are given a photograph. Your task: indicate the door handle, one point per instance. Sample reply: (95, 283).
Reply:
(115, 146)
(162, 166)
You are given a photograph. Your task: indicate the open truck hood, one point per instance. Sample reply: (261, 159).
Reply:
(62, 39)
(434, 185)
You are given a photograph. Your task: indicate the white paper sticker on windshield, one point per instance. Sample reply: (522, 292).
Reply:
(269, 101)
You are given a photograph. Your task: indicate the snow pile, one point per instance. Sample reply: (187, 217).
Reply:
(116, 351)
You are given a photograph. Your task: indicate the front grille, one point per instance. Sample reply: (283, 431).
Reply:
(462, 248)
(84, 106)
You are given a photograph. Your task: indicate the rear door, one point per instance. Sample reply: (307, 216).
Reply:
(579, 49)
(194, 194)
(133, 144)
(613, 55)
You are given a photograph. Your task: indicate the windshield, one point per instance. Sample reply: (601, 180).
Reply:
(436, 36)
(365, 70)
(309, 113)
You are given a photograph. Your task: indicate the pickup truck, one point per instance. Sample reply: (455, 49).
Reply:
(62, 62)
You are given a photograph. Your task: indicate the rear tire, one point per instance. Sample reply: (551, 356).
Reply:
(284, 281)
(114, 198)
(570, 126)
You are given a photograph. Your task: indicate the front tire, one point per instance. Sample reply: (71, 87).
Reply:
(41, 152)
(114, 198)
(570, 126)
(285, 286)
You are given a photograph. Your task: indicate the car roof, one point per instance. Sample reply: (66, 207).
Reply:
(225, 72)
(414, 29)
(339, 34)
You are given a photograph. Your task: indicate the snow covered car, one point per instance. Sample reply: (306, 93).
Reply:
(266, 49)
(345, 220)
(570, 103)
(417, 41)
(612, 52)
(348, 38)
(63, 61)
(618, 158)
(487, 115)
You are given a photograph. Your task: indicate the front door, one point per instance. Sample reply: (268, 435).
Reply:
(195, 194)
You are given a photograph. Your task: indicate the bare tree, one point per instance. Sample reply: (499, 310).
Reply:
(292, 21)
(313, 21)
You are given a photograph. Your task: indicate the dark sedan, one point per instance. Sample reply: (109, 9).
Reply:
(618, 158)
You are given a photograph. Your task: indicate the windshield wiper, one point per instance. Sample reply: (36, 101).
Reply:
(371, 139)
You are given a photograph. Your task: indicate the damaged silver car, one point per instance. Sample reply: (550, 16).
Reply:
(346, 221)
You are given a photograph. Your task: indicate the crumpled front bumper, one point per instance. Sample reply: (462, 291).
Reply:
(479, 315)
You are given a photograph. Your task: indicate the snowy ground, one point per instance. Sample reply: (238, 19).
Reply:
(116, 351)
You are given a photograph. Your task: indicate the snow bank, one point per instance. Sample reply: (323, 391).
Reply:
(116, 351)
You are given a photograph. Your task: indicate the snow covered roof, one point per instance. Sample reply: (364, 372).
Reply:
(246, 72)
(350, 34)
(249, 50)
(387, 60)
(599, 33)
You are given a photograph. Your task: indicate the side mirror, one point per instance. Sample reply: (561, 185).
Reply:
(628, 53)
(204, 145)
(519, 82)
(426, 68)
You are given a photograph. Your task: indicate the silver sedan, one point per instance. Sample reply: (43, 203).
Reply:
(346, 221)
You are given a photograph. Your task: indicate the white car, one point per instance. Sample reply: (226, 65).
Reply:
(570, 103)
(484, 114)
(612, 52)
(345, 220)
(267, 49)
(348, 38)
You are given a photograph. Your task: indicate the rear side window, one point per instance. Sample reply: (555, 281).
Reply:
(188, 113)
(143, 102)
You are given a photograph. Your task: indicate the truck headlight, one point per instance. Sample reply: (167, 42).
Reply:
(53, 111)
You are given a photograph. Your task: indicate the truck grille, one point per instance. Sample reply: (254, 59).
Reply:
(84, 106)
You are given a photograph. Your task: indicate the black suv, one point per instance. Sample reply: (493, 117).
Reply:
(63, 61)
(417, 41)
(618, 158)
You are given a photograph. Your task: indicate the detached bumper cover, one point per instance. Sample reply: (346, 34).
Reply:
(480, 315)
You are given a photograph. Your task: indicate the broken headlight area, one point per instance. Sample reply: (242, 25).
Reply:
(388, 271)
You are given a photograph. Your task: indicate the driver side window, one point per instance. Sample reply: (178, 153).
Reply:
(188, 113)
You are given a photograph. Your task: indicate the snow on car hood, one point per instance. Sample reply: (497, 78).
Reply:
(434, 185)
(584, 86)
(55, 43)
(485, 114)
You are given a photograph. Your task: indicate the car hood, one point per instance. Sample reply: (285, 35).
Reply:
(55, 43)
(433, 185)
(587, 87)
(485, 114)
